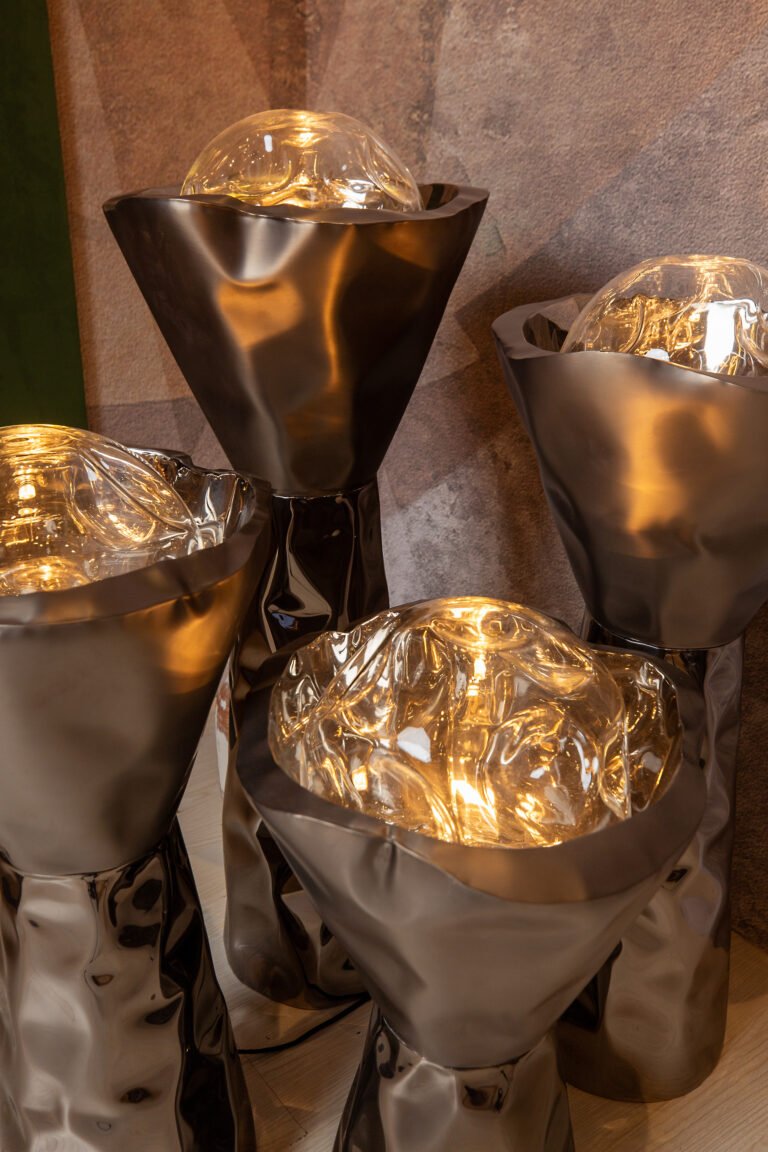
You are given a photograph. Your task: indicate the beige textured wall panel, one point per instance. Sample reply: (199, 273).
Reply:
(142, 85)
(606, 132)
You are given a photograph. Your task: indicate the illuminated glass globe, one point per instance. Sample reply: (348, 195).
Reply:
(476, 722)
(76, 507)
(702, 312)
(307, 159)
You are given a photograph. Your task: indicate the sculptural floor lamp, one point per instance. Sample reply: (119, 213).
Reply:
(302, 331)
(114, 1035)
(471, 939)
(655, 476)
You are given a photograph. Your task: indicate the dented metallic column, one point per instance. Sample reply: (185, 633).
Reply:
(328, 571)
(652, 1025)
(113, 1030)
(401, 1100)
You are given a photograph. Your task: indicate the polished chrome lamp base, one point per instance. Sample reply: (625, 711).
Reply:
(302, 334)
(113, 1030)
(651, 1025)
(401, 1100)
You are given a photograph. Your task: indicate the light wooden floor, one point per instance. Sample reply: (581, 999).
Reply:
(298, 1093)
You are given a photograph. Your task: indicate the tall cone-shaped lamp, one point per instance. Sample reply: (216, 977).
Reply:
(114, 1034)
(655, 475)
(302, 333)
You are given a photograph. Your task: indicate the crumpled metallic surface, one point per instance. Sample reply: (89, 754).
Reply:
(327, 571)
(113, 1031)
(472, 953)
(651, 1026)
(302, 334)
(663, 517)
(106, 688)
(402, 1101)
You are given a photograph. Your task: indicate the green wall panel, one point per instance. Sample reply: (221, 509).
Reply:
(41, 376)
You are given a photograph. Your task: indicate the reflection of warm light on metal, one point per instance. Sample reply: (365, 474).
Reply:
(470, 720)
(259, 310)
(27, 491)
(655, 490)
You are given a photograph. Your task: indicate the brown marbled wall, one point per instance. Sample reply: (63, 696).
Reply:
(606, 132)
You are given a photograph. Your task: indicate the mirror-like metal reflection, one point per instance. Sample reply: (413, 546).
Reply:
(651, 1025)
(327, 571)
(403, 1102)
(113, 1031)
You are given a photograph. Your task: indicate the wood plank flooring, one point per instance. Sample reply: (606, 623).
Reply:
(298, 1093)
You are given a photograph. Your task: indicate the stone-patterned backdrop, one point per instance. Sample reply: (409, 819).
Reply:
(607, 131)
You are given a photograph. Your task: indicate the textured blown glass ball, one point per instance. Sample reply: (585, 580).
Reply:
(476, 722)
(76, 507)
(701, 312)
(306, 159)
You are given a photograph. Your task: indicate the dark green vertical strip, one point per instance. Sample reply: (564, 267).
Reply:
(41, 374)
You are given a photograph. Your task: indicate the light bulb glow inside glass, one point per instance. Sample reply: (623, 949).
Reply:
(475, 722)
(709, 313)
(76, 507)
(307, 159)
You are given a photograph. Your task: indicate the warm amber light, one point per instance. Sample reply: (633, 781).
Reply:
(306, 159)
(76, 507)
(474, 721)
(701, 312)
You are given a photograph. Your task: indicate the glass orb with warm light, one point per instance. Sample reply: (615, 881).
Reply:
(76, 507)
(703, 312)
(306, 159)
(476, 722)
